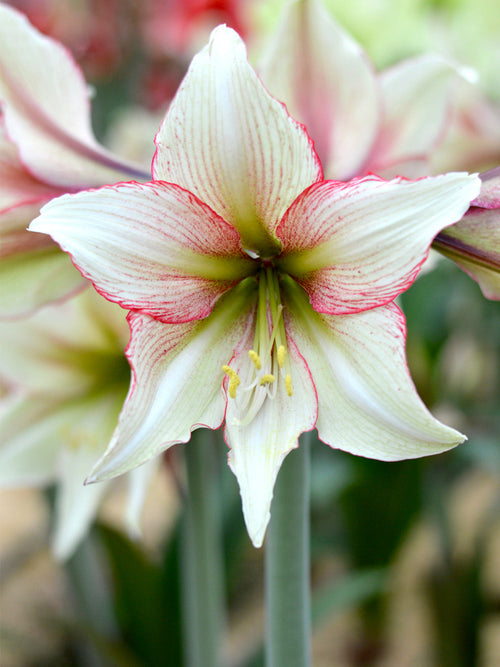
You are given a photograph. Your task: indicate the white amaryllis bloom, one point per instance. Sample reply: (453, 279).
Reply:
(66, 376)
(259, 293)
(47, 148)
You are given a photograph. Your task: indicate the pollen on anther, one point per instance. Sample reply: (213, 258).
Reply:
(255, 358)
(288, 384)
(234, 380)
(281, 356)
(267, 379)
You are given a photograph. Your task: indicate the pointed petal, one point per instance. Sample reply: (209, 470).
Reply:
(357, 245)
(228, 141)
(151, 247)
(177, 381)
(474, 244)
(45, 101)
(76, 504)
(327, 83)
(367, 403)
(416, 96)
(259, 448)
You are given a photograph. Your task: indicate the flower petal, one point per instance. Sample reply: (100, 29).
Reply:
(228, 141)
(151, 247)
(259, 448)
(327, 83)
(416, 105)
(18, 187)
(85, 440)
(45, 102)
(64, 350)
(76, 505)
(357, 245)
(177, 381)
(474, 244)
(33, 269)
(28, 448)
(367, 403)
(139, 480)
(489, 197)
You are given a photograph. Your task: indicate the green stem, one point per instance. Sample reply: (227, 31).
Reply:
(287, 570)
(201, 556)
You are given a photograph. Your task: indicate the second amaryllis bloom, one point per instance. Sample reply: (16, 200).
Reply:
(259, 292)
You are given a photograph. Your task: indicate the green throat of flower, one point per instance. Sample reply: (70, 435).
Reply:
(269, 365)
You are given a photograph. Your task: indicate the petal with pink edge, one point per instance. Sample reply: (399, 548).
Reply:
(326, 82)
(357, 245)
(177, 381)
(259, 447)
(228, 141)
(416, 99)
(45, 101)
(150, 247)
(474, 244)
(367, 403)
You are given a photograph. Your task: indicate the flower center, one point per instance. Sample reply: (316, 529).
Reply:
(269, 363)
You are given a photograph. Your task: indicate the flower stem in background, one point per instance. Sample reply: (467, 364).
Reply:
(201, 556)
(287, 571)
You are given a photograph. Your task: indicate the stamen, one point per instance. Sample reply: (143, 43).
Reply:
(288, 384)
(234, 381)
(255, 358)
(281, 356)
(267, 379)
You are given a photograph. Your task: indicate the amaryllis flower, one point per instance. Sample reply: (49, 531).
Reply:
(65, 377)
(361, 121)
(474, 242)
(46, 148)
(259, 292)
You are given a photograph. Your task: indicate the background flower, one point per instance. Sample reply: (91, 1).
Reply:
(65, 376)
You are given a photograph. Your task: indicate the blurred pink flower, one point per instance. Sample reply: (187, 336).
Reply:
(46, 148)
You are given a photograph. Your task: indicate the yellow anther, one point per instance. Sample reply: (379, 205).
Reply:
(288, 385)
(233, 385)
(281, 356)
(267, 379)
(255, 358)
(234, 380)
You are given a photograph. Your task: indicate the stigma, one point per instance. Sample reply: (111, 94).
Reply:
(268, 366)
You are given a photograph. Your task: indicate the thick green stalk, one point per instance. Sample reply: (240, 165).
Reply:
(201, 556)
(288, 595)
